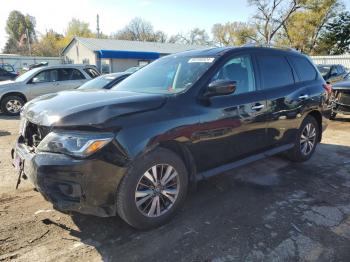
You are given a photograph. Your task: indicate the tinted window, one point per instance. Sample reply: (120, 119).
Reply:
(275, 71)
(238, 69)
(92, 72)
(304, 68)
(66, 74)
(2, 72)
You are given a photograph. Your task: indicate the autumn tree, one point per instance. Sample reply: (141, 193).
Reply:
(271, 15)
(20, 29)
(303, 29)
(234, 34)
(49, 44)
(196, 36)
(140, 30)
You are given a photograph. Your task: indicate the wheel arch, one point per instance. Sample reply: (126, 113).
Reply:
(21, 95)
(184, 153)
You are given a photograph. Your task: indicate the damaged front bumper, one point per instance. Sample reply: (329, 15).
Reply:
(86, 186)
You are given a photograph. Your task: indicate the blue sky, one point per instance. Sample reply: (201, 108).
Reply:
(169, 16)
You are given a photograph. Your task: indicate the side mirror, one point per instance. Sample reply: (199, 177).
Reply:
(35, 80)
(221, 87)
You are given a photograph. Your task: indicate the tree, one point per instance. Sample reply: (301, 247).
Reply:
(271, 15)
(336, 38)
(234, 34)
(21, 31)
(140, 30)
(302, 30)
(196, 36)
(49, 45)
(78, 28)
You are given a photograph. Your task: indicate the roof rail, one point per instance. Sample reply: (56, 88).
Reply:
(270, 46)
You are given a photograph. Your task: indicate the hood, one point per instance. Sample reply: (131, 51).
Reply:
(7, 83)
(88, 107)
(344, 85)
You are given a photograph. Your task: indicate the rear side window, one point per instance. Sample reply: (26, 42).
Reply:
(275, 71)
(92, 72)
(304, 68)
(341, 69)
(66, 74)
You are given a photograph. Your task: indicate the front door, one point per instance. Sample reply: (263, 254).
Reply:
(232, 126)
(44, 82)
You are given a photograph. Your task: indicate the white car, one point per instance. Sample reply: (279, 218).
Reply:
(41, 81)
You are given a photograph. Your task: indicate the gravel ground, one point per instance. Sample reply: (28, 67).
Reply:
(272, 210)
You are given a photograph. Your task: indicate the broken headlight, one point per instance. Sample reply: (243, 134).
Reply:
(80, 144)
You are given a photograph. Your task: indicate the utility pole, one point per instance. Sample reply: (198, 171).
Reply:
(28, 41)
(98, 26)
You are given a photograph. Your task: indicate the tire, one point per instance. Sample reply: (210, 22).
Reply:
(11, 105)
(297, 153)
(136, 181)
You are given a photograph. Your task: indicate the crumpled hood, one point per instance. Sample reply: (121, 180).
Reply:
(87, 107)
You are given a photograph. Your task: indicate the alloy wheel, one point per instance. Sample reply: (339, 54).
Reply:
(308, 139)
(157, 190)
(13, 106)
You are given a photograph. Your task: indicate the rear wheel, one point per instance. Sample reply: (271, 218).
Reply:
(11, 105)
(152, 190)
(306, 140)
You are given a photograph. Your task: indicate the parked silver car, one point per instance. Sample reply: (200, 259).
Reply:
(40, 81)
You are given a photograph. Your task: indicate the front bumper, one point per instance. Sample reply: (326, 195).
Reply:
(86, 186)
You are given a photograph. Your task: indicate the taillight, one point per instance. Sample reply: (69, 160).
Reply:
(328, 87)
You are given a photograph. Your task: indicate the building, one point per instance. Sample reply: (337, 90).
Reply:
(20, 62)
(111, 55)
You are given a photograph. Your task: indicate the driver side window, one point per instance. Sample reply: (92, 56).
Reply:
(46, 76)
(239, 69)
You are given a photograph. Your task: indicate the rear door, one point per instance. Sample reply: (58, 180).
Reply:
(232, 126)
(286, 95)
(69, 78)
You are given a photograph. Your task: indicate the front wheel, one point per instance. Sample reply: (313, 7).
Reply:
(306, 140)
(153, 189)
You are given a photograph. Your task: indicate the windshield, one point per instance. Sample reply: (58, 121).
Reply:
(99, 82)
(131, 70)
(170, 74)
(324, 69)
(27, 75)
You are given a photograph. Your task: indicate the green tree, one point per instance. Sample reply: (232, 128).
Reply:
(21, 31)
(335, 40)
(234, 34)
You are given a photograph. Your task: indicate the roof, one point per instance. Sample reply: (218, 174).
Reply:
(95, 44)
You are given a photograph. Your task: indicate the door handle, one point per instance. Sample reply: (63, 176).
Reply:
(303, 96)
(258, 107)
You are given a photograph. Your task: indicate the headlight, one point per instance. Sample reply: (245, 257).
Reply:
(80, 144)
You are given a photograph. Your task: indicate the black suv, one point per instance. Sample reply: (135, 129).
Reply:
(135, 149)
